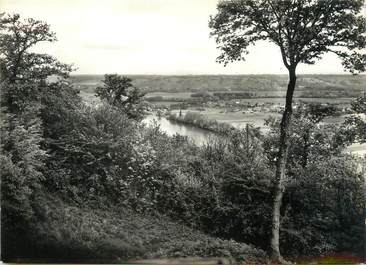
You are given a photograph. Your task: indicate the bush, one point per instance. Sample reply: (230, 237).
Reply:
(65, 232)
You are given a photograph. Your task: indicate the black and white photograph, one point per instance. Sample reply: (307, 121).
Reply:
(183, 132)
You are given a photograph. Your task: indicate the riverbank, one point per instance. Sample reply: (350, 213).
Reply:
(198, 120)
(200, 129)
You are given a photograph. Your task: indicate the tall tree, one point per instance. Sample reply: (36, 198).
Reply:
(304, 30)
(17, 62)
(119, 91)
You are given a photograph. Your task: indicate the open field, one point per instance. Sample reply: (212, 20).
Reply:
(276, 100)
(238, 119)
(336, 89)
(324, 85)
(88, 83)
(269, 89)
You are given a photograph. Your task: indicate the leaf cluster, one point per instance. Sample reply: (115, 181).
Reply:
(304, 30)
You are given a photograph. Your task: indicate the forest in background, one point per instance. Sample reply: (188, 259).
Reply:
(324, 85)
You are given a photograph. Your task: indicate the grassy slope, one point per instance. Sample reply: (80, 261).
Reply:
(114, 235)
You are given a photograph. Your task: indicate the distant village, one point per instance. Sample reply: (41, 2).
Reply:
(238, 105)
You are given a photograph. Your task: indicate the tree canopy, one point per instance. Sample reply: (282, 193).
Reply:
(119, 91)
(17, 62)
(304, 30)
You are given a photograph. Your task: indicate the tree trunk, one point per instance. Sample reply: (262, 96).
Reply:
(279, 186)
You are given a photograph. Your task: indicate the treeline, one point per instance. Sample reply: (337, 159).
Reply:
(223, 95)
(243, 83)
(199, 97)
(83, 182)
(198, 120)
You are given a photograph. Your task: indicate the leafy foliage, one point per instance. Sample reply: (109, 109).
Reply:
(354, 127)
(303, 30)
(330, 219)
(117, 234)
(23, 79)
(22, 163)
(17, 63)
(118, 91)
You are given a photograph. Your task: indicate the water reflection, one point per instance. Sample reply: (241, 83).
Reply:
(200, 136)
(197, 135)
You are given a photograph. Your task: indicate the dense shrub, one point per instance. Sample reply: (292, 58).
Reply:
(226, 189)
(98, 157)
(21, 169)
(107, 156)
(67, 232)
(322, 207)
(331, 219)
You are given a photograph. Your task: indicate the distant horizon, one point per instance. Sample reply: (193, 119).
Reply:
(298, 74)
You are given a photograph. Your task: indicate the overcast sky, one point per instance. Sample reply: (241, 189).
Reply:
(146, 37)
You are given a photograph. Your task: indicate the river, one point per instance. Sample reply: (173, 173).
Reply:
(197, 135)
(200, 136)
